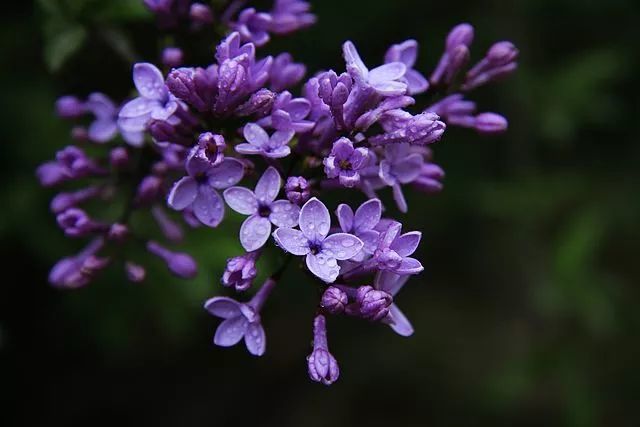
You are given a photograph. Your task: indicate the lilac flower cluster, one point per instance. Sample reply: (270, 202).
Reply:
(233, 133)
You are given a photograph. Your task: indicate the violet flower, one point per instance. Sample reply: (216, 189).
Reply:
(253, 26)
(499, 62)
(198, 189)
(105, 126)
(262, 208)
(392, 283)
(285, 73)
(400, 166)
(344, 162)
(362, 224)
(407, 52)
(290, 15)
(393, 250)
(386, 79)
(288, 114)
(179, 263)
(370, 304)
(259, 142)
(240, 271)
(321, 250)
(241, 320)
(334, 300)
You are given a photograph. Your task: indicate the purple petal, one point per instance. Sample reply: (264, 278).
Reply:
(281, 138)
(101, 106)
(407, 244)
(255, 135)
(137, 107)
(323, 266)
(248, 149)
(223, 307)
(254, 232)
(241, 200)
(103, 130)
(389, 282)
(367, 215)
(399, 322)
(231, 331)
(284, 214)
(279, 152)
(409, 168)
(370, 240)
(208, 206)
(149, 81)
(299, 108)
(183, 193)
(268, 185)
(134, 139)
(255, 339)
(416, 82)
(398, 196)
(133, 124)
(352, 57)
(387, 72)
(409, 266)
(345, 217)
(292, 241)
(390, 88)
(314, 219)
(163, 112)
(342, 246)
(226, 174)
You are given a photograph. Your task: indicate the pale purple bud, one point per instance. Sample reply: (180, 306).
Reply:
(179, 263)
(461, 34)
(201, 13)
(240, 271)
(76, 223)
(172, 57)
(69, 272)
(119, 157)
(169, 228)
(149, 189)
(259, 103)
(297, 190)
(118, 232)
(64, 201)
(370, 303)
(135, 272)
(490, 123)
(334, 300)
(502, 53)
(70, 107)
(322, 366)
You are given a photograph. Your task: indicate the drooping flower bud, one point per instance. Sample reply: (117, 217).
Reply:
(179, 263)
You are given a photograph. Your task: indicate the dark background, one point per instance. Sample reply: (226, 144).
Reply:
(526, 314)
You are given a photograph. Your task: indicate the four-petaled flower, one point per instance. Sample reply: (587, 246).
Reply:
(345, 161)
(262, 208)
(393, 250)
(259, 142)
(322, 251)
(387, 79)
(198, 189)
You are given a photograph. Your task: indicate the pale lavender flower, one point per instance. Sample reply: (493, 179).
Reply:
(393, 250)
(155, 100)
(362, 224)
(66, 200)
(321, 250)
(288, 114)
(241, 320)
(197, 190)
(259, 142)
(179, 263)
(458, 111)
(430, 178)
(490, 123)
(392, 283)
(240, 271)
(334, 300)
(105, 126)
(76, 223)
(386, 79)
(322, 366)
(297, 190)
(407, 52)
(285, 73)
(210, 148)
(170, 229)
(262, 208)
(344, 162)
(253, 26)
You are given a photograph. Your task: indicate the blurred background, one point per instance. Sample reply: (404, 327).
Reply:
(526, 313)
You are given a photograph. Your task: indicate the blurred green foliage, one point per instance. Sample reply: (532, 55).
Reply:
(526, 313)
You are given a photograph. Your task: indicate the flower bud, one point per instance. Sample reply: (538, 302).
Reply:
(490, 123)
(118, 232)
(149, 189)
(321, 364)
(334, 300)
(240, 271)
(172, 57)
(179, 263)
(75, 222)
(70, 107)
(371, 304)
(201, 13)
(460, 35)
(135, 272)
(297, 190)
(119, 157)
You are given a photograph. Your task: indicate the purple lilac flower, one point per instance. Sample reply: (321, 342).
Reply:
(386, 79)
(499, 62)
(71, 163)
(430, 178)
(253, 26)
(403, 127)
(135, 272)
(362, 224)
(240, 271)
(259, 142)
(392, 283)
(297, 190)
(322, 366)
(400, 166)
(393, 250)
(210, 148)
(321, 250)
(198, 189)
(155, 100)
(76, 223)
(407, 52)
(289, 114)
(71, 272)
(241, 320)
(262, 208)
(458, 111)
(288, 16)
(344, 162)
(455, 56)
(65, 200)
(168, 13)
(200, 14)
(105, 126)
(285, 73)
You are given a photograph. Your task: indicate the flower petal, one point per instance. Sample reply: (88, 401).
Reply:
(345, 217)
(101, 106)
(241, 200)
(137, 107)
(370, 239)
(407, 244)
(248, 149)
(255, 135)
(416, 82)
(255, 339)
(254, 232)
(409, 266)
(352, 58)
(102, 130)
(284, 214)
(268, 185)
(314, 219)
(292, 241)
(226, 174)
(231, 331)
(367, 215)
(183, 193)
(387, 73)
(399, 322)
(223, 307)
(389, 282)
(280, 138)
(323, 266)
(208, 206)
(299, 108)
(390, 88)
(409, 168)
(149, 81)
(278, 153)
(342, 245)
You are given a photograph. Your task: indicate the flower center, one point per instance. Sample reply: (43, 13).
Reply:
(200, 177)
(315, 247)
(264, 210)
(345, 164)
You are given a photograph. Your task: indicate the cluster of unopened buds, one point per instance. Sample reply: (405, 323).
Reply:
(230, 134)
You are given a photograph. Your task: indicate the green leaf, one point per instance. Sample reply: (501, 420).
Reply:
(61, 46)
